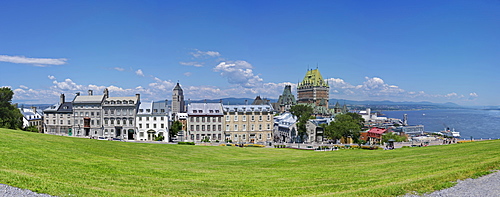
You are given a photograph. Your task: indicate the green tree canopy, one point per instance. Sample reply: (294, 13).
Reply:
(303, 114)
(174, 129)
(10, 116)
(345, 125)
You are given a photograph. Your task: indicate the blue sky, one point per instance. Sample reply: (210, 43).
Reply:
(437, 51)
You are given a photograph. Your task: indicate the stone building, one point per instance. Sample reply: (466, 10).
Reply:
(87, 117)
(119, 114)
(58, 118)
(204, 122)
(248, 123)
(153, 121)
(313, 89)
(285, 100)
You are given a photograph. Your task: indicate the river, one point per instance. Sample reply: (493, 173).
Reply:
(473, 123)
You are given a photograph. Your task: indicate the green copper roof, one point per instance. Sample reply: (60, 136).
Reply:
(313, 78)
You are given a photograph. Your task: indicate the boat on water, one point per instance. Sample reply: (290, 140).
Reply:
(451, 133)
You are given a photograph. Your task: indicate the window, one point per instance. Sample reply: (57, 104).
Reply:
(260, 127)
(147, 118)
(220, 119)
(202, 119)
(141, 134)
(268, 118)
(197, 136)
(154, 118)
(111, 112)
(118, 102)
(162, 110)
(61, 121)
(97, 113)
(260, 118)
(236, 117)
(162, 125)
(154, 126)
(203, 127)
(112, 121)
(105, 112)
(244, 118)
(220, 127)
(162, 118)
(227, 127)
(118, 121)
(131, 102)
(244, 136)
(147, 126)
(140, 118)
(141, 110)
(192, 127)
(191, 119)
(260, 136)
(236, 127)
(92, 113)
(235, 136)
(268, 136)
(93, 122)
(197, 119)
(228, 118)
(125, 102)
(106, 121)
(244, 127)
(140, 126)
(197, 127)
(253, 118)
(268, 126)
(118, 112)
(148, 110)
(208, 119)
(105, 131)
(155, 110)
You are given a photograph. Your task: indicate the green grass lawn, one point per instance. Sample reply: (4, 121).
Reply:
(73, 166)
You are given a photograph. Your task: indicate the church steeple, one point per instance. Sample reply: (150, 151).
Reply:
(177, 99)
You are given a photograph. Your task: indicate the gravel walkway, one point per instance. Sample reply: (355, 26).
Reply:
(9, 191)
(485, 186)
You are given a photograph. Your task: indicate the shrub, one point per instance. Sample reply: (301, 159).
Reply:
(185, 143)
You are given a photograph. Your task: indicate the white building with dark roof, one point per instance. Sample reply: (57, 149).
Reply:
(153, 120)
(204, 122)
(32, 117)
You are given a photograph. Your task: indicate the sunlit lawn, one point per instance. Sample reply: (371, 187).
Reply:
(83, 167)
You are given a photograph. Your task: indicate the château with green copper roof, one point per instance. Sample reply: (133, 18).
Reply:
(313, 89)
(313, 78)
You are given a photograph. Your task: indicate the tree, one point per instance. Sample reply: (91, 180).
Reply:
(303, 114)
(174, 129)
(10, 116)
(344, 126)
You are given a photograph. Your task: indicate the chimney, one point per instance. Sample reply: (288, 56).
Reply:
(106, 93)
(138, 96)
(62, 99)
(90, 92)
(246, 102)
(34, 109)
(77, 94)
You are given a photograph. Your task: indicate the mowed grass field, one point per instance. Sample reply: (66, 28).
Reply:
(66, 166)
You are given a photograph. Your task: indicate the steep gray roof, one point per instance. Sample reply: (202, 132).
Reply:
(89, 99)
(247, 108)
(203, 109)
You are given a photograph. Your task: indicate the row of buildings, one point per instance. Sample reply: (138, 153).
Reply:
(128, 118)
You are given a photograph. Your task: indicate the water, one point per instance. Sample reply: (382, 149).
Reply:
(469, 122)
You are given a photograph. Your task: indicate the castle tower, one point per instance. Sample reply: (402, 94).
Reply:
(313, 89)
(177, 99)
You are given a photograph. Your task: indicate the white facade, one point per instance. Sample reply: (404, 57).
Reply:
(153, 120)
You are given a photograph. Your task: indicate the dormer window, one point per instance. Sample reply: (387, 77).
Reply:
(118, 102)
(200, 111)
(216, 111)
(125, 102)
(148, 110)
(141, 110)
(211, 111)
(131, 102)
(113, 102)
(194, 111)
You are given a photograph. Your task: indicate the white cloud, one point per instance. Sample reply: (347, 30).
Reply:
(238, 72)
(473, 94)
(51, 77)
(162, 85)
(198, 53)
(119, 69)
(41, 62)
(188, 74)
(139, 72)
(195, 64)
(23, 87)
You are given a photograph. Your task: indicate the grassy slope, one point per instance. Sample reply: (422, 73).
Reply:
(83, 167)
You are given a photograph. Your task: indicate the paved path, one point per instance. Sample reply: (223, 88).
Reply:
(485, 186)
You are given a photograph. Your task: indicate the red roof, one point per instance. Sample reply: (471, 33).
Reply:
(377, 130)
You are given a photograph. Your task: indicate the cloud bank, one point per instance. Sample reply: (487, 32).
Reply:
(40, 62)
